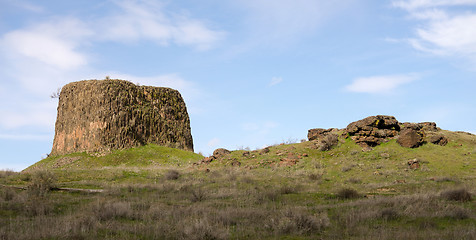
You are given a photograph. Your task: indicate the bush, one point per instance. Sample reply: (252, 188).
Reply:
(328, 142)
(297, 222)
(461, 195)
(458, 213)
(172, 175)
(198, 195)
(7, 194)
(347, 193)
(42, 182)
(7, 172)
(389, 214)
(112, 210)
(203, 229)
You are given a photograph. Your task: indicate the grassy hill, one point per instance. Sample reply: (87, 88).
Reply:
(291, 192)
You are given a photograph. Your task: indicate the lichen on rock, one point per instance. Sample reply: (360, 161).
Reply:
(101, 115)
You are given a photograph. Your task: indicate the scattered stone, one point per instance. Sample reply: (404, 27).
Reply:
(305, 155)
(235, 163)
(414, 163)
(264, 150)
(246, 154)
(385, 155)
(410, 138)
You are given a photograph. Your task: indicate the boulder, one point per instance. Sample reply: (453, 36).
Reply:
(319, 133)
(373, 130)
(220, 152)
(437, 139)
(410, 138)
(264, 150)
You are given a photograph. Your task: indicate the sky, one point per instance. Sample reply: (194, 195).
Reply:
(252, 72)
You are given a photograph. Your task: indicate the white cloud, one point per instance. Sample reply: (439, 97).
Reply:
(52, 43)
(147, 20)
(379, 84)
(443, 32)
(418, 4)
(275, 81)
(449, 36)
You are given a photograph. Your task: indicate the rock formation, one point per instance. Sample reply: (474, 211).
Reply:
(373, 130)
(100, 115)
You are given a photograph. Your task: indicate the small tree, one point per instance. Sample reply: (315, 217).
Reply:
(56, 94)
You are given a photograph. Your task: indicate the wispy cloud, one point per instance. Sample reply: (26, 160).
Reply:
(275, 81)
(148, 20)
(54, 43)
(25, 5)
(380, 84)
(279, 22)
(411, 5)
(443, 32)
(45, 137)
(42, 56)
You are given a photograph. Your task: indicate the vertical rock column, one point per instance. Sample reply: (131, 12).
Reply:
(100, 115)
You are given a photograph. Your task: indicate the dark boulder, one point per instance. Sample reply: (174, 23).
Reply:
(437, 139)
(220, 152)
(410, 138)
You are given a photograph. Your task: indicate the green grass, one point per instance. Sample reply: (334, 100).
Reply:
(145, 156)
(258, 199)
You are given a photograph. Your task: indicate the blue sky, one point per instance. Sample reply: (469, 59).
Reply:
(252, 72)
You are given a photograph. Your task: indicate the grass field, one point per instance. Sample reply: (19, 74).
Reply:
(290, 192)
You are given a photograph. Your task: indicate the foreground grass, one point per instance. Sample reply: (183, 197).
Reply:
(233, 203)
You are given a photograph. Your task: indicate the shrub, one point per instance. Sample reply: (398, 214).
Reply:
(112, 210)
(286, 189)
(347, 168)
(203, 229)
(458, 213)
(7, 172)
(198, 195)
(42, 182)
(297, 222)
(7, 194)
(347, 193)
(315, 176)
(461, 195)
(389, 214)
(172, 175)
(354, 180)
(328, 142)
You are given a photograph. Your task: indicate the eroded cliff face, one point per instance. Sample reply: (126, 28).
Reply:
(100, 115)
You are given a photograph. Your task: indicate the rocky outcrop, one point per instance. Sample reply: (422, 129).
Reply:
(100, 115)
(319, 133)
(373, 130)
